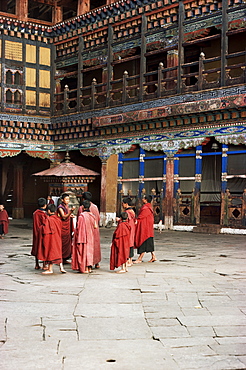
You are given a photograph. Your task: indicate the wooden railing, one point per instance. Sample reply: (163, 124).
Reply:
(196, 76)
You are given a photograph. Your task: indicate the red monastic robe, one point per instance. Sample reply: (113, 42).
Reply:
(50, 249)
(97, 246)
(83, 242)
(131, 221)
(4, 220)
(39, 218)
(120, 247)
(66, 233)
(145, 225)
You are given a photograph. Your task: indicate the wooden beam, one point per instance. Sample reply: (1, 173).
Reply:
(180, 45)
(22, 9)
(142, 58)
(83, 7)
(224, 42)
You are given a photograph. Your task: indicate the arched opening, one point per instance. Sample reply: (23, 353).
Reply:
(17, 97)
(17, 78)
(8, 96)
(9, 78)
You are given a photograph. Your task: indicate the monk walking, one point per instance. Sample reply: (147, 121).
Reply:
(120, 247)
(127, 206)
(97, 246)
(144, 236)
(39, 217)
(83, 242)
(66, 215)
(4, 221)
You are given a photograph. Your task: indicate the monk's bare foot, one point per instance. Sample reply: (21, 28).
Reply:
(47, 272)
(128, 264)
(137, 261)
(63, 271)
(121, 271)
(37, 267)
(97, 266)
(153, 260)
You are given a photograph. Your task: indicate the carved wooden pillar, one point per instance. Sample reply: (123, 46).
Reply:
(18, 210)
(22, 9)
(57, 13)
(172, 61)
(83, 7)
(103, 191)
(168, 220)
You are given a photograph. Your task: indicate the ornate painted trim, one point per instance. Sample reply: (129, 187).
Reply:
(38, 154)
(9, 153)
(32, 146)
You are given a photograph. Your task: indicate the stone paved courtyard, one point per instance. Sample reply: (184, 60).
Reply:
(185, 311)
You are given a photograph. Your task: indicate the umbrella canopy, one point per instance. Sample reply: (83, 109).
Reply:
(67, 169)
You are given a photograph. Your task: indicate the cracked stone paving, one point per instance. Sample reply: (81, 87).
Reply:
(185, 311)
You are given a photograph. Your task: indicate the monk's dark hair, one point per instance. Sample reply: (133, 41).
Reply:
(127, 201)
(124, 216)
(64, 195)
(42, 202)
(86, 204)
(51, 208)
(87, 195)
(148, 198)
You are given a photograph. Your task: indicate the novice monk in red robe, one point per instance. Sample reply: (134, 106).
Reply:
(83, 242)
(120, 247)
(50, 249)
(39, 217)
(67, 227)
(4, 221)
(97, 246)
(126, 204)
(144, 236)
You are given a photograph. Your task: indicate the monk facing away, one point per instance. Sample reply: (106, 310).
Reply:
(50, 249)
(120, 247)
(84, 241)
(97, 246)
(39, 217)
(4, 221)
(144, 235)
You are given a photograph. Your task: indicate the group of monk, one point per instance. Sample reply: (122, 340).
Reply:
(132, 232)
(53, 228)
(56, 237)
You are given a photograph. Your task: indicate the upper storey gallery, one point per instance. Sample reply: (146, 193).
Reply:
(65, 56)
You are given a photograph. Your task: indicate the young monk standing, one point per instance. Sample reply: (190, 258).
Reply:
(127, 206)
(67, 228)
(4, 221)
(120, 247)
(144, 236)
(39, 217)
(50, 249)
(97, 246)
(83, 243)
